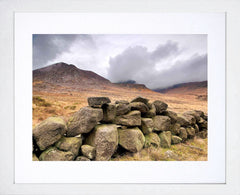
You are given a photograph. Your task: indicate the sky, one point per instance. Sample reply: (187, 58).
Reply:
(156, 60)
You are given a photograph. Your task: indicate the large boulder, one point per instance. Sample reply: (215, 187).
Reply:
(131, 139)
(151, 112)
(88, 151)
(176, 139)
(71, 144)
(161, 123)
(160, 106)
(53, 154)
(152, 139)
(166, 138)
(133, 118)
(105, 140)
(172, 115)
(109, 112)
(84, 121)
(97, 102)
(146, 125)
(139, 106)
(140, 99)
(122, 109)
(183, 134)
(49, 132)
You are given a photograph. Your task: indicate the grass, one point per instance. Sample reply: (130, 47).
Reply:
(176, 152)
(38, 101)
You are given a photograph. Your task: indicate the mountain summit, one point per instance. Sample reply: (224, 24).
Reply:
(62, 76)
(68, 75)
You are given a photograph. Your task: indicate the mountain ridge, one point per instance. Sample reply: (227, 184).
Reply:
(184, 87)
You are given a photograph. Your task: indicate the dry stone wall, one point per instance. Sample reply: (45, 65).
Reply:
(96, 132)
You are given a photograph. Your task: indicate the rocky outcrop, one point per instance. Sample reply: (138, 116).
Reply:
(104, 130)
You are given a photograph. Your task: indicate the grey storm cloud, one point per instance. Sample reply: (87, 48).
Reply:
(47, 47)
(136, 63)
(158, 61)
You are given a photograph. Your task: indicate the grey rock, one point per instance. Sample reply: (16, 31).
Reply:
(161, 123)
(122, 109)
(190, 132)
(53, 154)
(97, 102)
(82, 158)
(160, 106)
(88, 151)
(175, 128)
(84, 121)
(140, 99)
(152, 139)
(151, 112)
(166, 138)
(146, 125)
(172, 115)
(183, 134)
(71, 144)
(139, 106)
(105, 140)
(109, 112)
(133, 118)
(194, 113)
(131, 139)
(196, 128)
(202, 124)
(176, 139)
(49, 132)
(186, 120)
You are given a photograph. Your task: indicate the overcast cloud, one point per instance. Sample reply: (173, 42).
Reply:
(157, 61)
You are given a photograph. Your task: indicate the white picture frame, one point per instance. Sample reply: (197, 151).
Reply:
(210, 171)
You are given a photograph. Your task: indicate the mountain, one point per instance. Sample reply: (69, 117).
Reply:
(61, 77)
(64, 74)
(186, 88)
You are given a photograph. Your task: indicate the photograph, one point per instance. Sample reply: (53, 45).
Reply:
(120, 97)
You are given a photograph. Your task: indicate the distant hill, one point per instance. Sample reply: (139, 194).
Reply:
(186, 88)
(61, 76)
